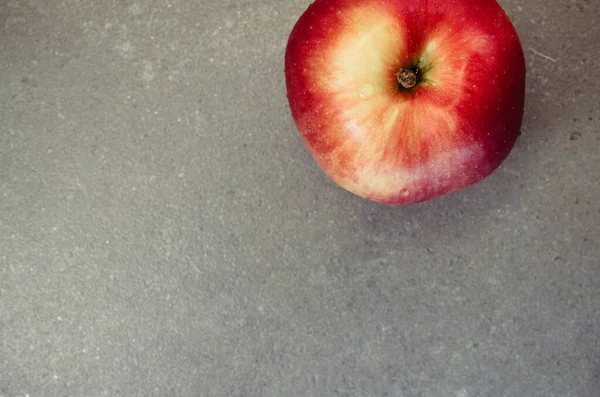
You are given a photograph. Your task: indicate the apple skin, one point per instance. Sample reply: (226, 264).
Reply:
(395, 145)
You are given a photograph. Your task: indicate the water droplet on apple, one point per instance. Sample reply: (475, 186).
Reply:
(365, 92)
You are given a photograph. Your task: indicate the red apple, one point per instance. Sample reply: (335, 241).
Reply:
(401, 101)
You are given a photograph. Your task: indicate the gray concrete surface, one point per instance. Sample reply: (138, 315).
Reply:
(164, 232)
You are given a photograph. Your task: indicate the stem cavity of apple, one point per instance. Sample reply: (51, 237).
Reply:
(408, 78)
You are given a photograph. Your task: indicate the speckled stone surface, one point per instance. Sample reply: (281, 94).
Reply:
(164, 232)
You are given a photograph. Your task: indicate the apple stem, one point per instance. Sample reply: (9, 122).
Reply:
(407, 78)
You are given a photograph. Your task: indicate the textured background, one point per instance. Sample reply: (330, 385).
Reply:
(164, 232)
